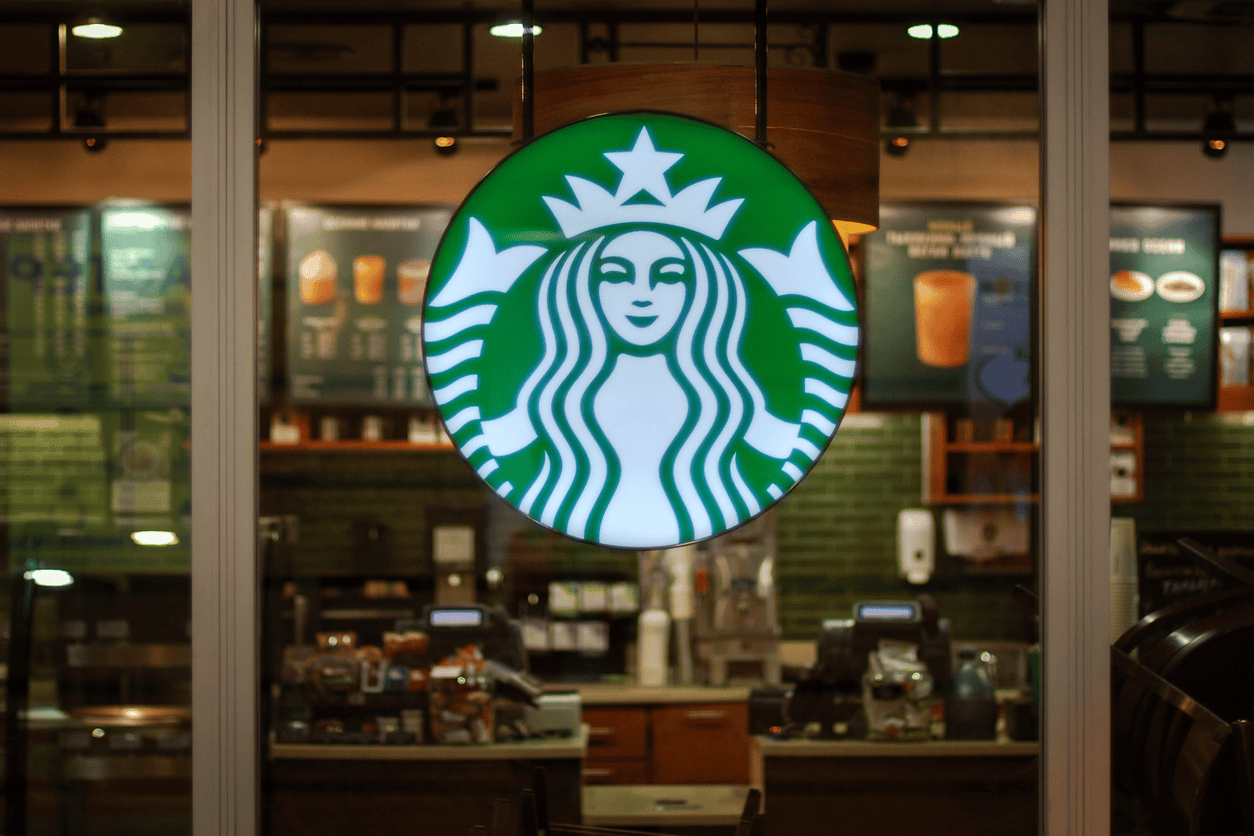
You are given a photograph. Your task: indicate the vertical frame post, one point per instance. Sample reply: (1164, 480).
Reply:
(1076, 417)
(225, 634)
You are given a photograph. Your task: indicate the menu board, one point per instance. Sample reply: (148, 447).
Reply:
(1167, 575)
(1163, 305)
(355, 283)
(949, 290)
(145, 254)
(54, 469)
(48, 309)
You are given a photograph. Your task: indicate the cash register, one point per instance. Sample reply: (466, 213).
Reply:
(829, 692)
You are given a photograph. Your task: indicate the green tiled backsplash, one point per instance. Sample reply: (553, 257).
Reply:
(837, 530)
(1199, 473)
(838, 538)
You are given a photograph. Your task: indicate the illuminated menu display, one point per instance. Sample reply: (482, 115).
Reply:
(48, 309)
(949, 303)
(145, 266)
(1163, 305)
(355, 283)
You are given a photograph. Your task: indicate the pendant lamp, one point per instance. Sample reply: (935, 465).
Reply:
(822, 124)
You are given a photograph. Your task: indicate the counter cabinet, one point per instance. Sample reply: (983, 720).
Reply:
(348, 790)
(687, 743)
(859, 788)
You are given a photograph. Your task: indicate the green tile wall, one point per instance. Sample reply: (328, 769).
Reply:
(1199, 473)
(838, 538)
(331, 492)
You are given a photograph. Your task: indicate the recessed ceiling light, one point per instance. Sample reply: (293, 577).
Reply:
(96, 28)
(49, 577)
(923, 31)
(155, 538)
(513, 30)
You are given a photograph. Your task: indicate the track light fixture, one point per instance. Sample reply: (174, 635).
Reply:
(1219, 127)
(90, 114)
(444, 118)
(901, 123)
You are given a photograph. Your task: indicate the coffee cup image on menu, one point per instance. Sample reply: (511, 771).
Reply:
(942, 315)
(318, 277)
(411, 280)
(368, 278)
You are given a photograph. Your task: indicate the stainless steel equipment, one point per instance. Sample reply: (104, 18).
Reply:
(737, 628)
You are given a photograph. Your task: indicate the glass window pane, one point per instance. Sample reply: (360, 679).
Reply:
(329, 49)
(138, 48)
(372, 520)
(94, 437)
(1176, 472)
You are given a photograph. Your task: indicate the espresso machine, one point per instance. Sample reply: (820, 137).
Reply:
(831, 690)
(737, 634)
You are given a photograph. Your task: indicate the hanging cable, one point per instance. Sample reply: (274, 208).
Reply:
(759, 44)
(528, 71)
(696, 29)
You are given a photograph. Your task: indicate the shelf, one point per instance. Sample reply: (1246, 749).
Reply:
(1235, 398)
(357, 446)
(991, 447)
(1236, 316)
(985, 498)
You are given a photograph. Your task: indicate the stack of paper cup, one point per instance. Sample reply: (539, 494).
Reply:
(1125, 601)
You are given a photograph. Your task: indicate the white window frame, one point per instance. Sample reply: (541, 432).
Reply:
(1075, 414)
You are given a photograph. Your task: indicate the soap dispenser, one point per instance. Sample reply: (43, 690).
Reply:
(916, 544)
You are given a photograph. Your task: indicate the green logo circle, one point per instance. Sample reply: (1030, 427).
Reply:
(641, 330)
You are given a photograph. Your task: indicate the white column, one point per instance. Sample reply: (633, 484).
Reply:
(1075, 455)
(224, 420)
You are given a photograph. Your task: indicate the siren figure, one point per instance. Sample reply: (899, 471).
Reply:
(641, 405)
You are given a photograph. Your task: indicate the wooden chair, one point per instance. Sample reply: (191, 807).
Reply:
(1186, 764)
(527, 815)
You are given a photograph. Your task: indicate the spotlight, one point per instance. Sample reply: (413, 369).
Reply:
(901, 121)
(1218, 128)
(90, 114)
(95, 29)
(444, 118)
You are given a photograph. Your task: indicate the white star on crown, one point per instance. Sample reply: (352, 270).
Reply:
(644, 170)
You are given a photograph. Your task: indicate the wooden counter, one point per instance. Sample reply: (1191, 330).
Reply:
(871, 788)
(612, 694)
(764, 746)
(348, 790)
(544, 749)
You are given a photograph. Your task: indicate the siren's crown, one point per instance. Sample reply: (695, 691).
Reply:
(644, 169)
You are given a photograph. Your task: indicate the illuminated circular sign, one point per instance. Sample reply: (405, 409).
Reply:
(640, 330)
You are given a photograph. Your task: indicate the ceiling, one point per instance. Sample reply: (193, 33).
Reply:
(330, 67)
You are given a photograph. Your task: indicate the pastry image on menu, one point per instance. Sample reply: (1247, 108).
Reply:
(368, 278)
(1131, 286)
(411, 277)
(318, 275)
(1180, 286)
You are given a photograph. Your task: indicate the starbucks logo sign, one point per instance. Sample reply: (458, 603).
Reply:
(640, 330)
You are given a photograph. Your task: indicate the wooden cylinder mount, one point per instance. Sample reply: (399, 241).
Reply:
(823, 124)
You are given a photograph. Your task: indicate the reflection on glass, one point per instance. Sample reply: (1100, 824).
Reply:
(94, 390)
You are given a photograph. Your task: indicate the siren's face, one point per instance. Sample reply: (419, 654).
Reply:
(642, 284)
